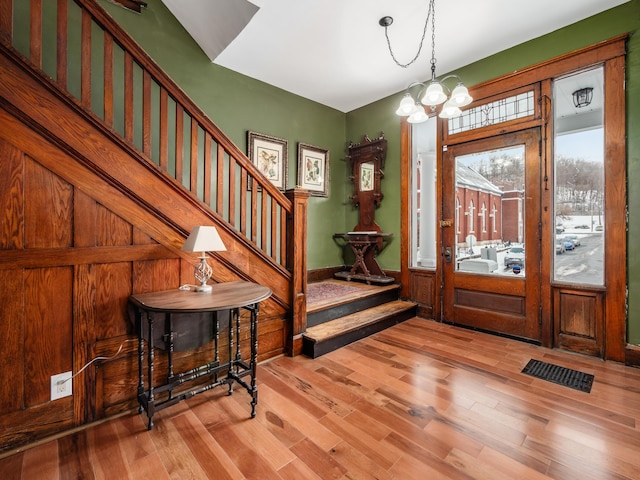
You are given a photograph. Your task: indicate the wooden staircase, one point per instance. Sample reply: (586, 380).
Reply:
(345, 317)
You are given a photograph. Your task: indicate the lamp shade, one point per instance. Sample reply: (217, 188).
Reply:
(203, 239)
(450, 110)
(434, 95)
(418, 116)
(407, 105)
(460, 96)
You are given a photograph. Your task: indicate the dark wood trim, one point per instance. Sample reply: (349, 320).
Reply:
(323, 273)
(632, 355)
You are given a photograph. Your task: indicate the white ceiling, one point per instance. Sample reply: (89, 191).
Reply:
(334, 51)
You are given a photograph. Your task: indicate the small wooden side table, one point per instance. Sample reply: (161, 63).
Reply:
(228, 298)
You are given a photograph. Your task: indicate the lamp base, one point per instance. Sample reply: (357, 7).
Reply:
(204, 288)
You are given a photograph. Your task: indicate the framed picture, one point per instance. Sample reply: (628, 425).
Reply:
(313, 169)
(269, 154)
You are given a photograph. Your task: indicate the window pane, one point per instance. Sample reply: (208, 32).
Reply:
(490, 212)
(423, 197)
(579, 178)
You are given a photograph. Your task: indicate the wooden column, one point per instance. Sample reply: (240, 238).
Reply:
(297, 265)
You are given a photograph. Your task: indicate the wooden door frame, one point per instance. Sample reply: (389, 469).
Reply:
(610, 54)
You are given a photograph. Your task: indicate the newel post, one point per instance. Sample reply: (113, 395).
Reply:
(297, 265)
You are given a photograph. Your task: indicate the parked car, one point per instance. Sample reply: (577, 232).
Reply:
(568, 244)
(574, 239)
(582, 227)
(514, 256)
(560, 246)
(599, 228)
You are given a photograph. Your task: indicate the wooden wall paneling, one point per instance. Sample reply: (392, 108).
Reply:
(12, 367)
(112, 230)
(141, 238)
(156, 275)
(579, 321)
(422, 288)
(48, 298)
(84, 322)
(48, 208)
(11, 197)
(84, 220)
(113, 288)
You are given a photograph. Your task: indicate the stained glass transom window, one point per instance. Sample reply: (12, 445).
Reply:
(503, 110)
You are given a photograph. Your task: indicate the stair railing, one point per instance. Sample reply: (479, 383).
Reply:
(93, 59)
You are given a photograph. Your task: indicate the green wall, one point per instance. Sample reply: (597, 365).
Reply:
(237, 103)
(623, 19)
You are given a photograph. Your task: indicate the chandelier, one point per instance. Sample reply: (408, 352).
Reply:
(434, 92)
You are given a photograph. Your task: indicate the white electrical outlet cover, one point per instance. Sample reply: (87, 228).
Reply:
(59, 389)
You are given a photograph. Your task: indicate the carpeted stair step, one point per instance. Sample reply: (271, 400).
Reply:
(337, 333)
(358, 297)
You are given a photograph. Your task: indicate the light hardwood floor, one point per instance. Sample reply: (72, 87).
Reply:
(420, 400)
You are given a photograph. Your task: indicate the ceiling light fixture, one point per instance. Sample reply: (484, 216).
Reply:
(582, 97)
(435, 92)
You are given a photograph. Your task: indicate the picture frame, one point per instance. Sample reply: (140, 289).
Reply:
(269, 155)
(313, 169)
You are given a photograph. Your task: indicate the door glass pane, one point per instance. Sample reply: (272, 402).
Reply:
(490, 214)
(423, 198)
(579, 194)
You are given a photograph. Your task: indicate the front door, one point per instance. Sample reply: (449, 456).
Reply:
(491, 223)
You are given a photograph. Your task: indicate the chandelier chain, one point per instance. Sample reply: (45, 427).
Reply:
(430, 13)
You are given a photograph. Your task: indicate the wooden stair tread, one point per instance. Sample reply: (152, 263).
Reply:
(355, 321)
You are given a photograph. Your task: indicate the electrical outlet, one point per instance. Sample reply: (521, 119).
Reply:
(61, 385)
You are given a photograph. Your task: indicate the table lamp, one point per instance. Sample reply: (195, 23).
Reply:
(203, 239)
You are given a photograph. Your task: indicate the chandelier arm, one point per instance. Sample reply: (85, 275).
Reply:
(424, 34)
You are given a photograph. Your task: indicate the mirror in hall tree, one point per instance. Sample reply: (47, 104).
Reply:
(366, 162)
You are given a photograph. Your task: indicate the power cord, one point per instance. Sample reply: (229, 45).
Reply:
(62, 382)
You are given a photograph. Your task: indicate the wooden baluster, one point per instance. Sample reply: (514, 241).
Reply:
(207, 169)
(232, 191)
(243, 200)
(85, 82)
(263, 220)
(254, 209)
(6, 20)
(284, 235)
(128, 97)
(179, 141)
(61, 44)
(164, 130)
(108, 78)
(219, 177)
(193, 181)
(274, 229)
(146, 113)
(35, 40)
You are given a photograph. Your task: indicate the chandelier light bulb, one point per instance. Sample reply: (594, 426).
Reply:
(450, 110)
(460, 96)
(418, 116)
(434, 95)
(407, 106)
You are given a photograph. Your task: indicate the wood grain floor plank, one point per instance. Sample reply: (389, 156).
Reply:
(212, 458)
(293, 417)
(360, 440)
(420, 400)
(319, 461)
(41, 462)
(175, 454)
